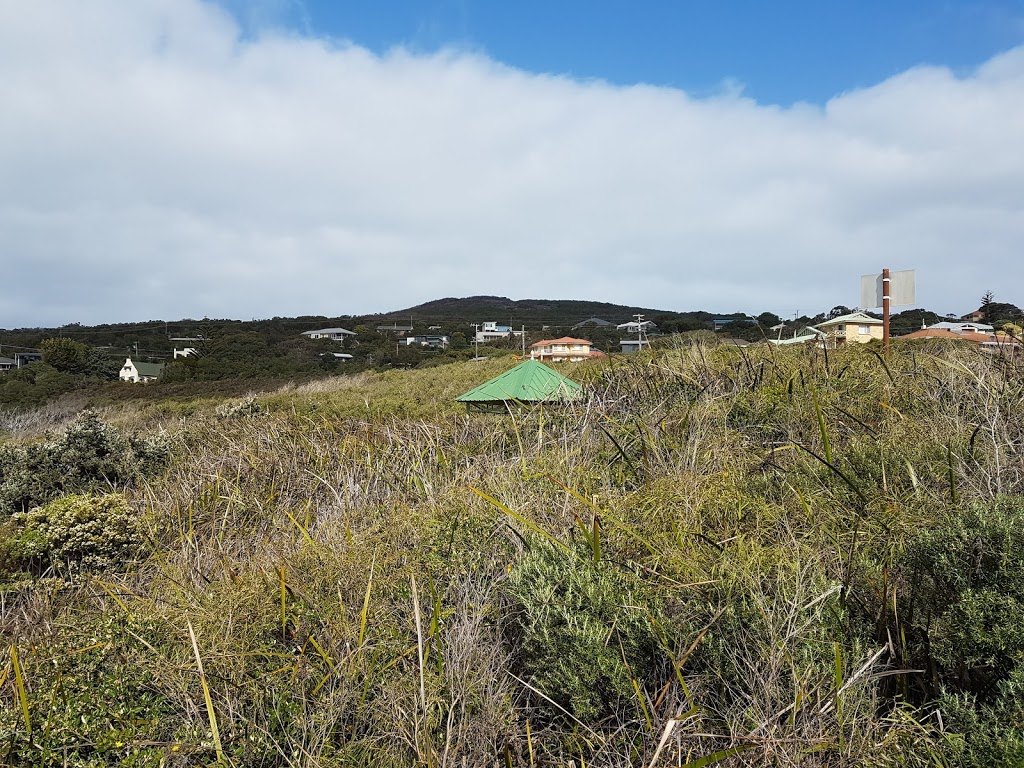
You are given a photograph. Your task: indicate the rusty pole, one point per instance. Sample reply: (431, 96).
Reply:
(885, 311)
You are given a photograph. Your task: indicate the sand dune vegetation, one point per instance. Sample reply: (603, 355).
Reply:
(719, 556)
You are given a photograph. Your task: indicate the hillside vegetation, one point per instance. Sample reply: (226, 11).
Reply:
(720, 556)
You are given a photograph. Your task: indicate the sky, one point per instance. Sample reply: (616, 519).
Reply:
(162, 159)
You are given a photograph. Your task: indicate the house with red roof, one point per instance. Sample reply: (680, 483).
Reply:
(990, 341)
(563, 349)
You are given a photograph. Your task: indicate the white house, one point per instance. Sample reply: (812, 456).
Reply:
(491, 331)
(634, 327)
(432, 341)
(140, 372)
(334, 334)
(956, 327)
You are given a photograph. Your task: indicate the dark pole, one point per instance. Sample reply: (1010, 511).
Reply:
(885, 311)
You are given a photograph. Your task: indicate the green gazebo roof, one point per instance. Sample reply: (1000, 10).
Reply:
(528, 382)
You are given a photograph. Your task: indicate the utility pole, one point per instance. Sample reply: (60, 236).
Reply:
(639, 332)
(885, 311)
(476, 340)
(522, 335)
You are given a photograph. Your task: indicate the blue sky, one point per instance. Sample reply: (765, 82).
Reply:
(260, 158)
(780, 51)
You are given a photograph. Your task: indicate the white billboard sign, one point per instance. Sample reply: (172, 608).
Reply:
(902, 289)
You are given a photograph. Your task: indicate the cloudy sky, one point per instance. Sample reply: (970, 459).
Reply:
(184, 158)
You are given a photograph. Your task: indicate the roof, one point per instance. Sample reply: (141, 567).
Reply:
(148, 369)
(854, 317)
(7, 361)
(635, 324)
(321, 330)
(940, 333)
(977, 338)
(528, 382)
(563, 340)
(806, 334)
(597, 321)
(965, 326)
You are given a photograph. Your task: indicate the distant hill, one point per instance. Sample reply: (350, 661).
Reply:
(528, 311)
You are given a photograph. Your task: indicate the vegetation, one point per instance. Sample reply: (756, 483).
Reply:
(757, 556)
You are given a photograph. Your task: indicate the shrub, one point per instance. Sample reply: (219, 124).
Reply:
(992, 735)
(246, 407)
(966, 609)
(582, 631)
(76, 533)
(966, 584)
(90, 456)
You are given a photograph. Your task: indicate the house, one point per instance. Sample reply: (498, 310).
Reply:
(492, 331)
(140, 372)
(636, 327)
(992, 342)
(809, 334)
(854, 328)
(395, 328)
(718, 323)
(632, 346)
(593, 322)
(961, 327)
(186, 352)
(7, 363)
(21, 359)
(563, 349)
(529, 383)
(430, 341)
(974, 317)
(334, 334)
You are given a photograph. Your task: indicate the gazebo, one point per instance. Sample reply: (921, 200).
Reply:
(529, 383)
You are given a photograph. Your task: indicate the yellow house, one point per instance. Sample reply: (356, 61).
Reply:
(854, 328)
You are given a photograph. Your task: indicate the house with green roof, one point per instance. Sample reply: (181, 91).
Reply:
(529, 383)
(140, 372)
(853, 328)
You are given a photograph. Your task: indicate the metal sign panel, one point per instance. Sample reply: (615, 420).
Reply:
(870, 291)
(902, 289)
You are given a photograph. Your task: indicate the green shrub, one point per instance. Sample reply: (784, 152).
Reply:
(90, 456)
(990, 735)
(965, 604)
(94, 700)
(966, 585)
(76, 533)
(582, 632)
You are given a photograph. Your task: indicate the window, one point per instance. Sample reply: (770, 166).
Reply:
(863, 330)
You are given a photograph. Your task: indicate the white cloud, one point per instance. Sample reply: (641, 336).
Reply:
(157, 163)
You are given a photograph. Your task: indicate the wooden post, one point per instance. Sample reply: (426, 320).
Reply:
(885, 311)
